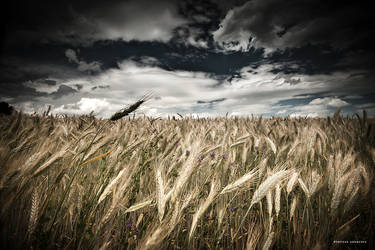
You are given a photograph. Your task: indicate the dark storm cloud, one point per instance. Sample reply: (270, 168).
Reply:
(80, 55)
(82, 65)
(49, 82)
(36, 62)
(30, 91)
(78, 86)
(279, 24)
(63, 90)
(170, 56)
(18, 75)
(226, 5)
(83, 22)
(100, 87)
(212, 101)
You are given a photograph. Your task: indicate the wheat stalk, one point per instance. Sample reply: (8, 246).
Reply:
(314, 182)
(331, 174)
(109, 188)
(293, 207)
(254, 234)
(267, 185)
(352, 199)
(51, 160)
(263, 189)
(239, 182)
(96, 158)
(268, 242)
(338, 192)
(203, 207)
(34, 212)
(304, 187)
(353, 182)
(187, 170)
(277, 199)
(292, 181)
(272, 144)
(129, 109)
(269, 202)
(139, 206)
(161, 198)
(164, 229)
(367, 179)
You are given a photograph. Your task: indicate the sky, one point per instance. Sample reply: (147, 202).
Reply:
(202, 58)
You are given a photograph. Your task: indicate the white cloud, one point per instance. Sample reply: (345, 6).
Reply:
(283, 111)
(310, 114)
(71, 55)
(199, 43)
(150, 61)
(192, 36)
(31, 107)
(319, 107)
(257, 91)
(41, 87)
(180, 91)
(329, 101)
(84, 106)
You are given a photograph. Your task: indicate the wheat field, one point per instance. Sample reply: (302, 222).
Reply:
(220, 183)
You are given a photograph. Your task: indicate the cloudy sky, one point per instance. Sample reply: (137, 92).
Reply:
(206, 58)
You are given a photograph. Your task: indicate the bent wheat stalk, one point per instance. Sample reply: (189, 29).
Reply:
(33, 212)
(291, 182)
(113, 118)
(129, 109)
(203, 207)
(263, 189)
(139, 206)
(268, 242)
(239, 183)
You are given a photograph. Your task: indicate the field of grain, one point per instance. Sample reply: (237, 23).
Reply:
(223, 183)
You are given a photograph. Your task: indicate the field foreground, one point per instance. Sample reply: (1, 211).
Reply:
(224, 183)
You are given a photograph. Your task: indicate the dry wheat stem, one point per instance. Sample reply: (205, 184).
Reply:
(292, 181)
(138, 206)
(34, 212)
(277, 199)
(268, 242)
(239, 182)
(262, 190)
(203, 207)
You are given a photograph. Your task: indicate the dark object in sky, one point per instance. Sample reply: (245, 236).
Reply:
(5, 108)
(129, 109)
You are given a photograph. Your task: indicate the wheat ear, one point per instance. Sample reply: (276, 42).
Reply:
(33, 212)
(277, 199)
(203, 207)
(262, 190)
(268, 242)
(292, 181)
(139, 206)
(239, 182)
(129, 109)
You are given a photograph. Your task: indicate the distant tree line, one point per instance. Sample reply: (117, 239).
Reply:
(5, 108)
